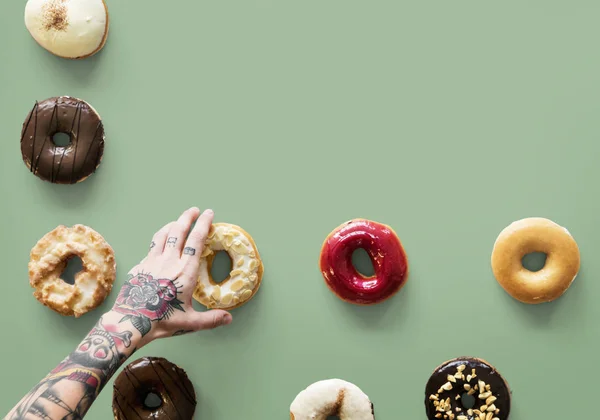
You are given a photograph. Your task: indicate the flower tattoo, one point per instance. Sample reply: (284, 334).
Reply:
(144, 299)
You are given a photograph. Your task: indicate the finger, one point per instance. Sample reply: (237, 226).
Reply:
(160, 238)
(179, 231)
(195, 242)
(209, 320)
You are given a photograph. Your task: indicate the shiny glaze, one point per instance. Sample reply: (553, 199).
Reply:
(69, 164)
(484, 371)
(387, 255)
(153, 375)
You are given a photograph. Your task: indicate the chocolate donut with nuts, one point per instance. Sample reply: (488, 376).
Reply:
(467, 388)
(158, 376)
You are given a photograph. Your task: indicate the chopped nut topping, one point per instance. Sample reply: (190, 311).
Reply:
(484, 395)
(466, 387)
(490, 400)
(491, 408)
(461, 368)
(451, 378)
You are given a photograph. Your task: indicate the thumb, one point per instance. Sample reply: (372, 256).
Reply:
(210, 319)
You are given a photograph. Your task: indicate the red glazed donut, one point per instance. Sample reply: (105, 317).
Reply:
(387, 255)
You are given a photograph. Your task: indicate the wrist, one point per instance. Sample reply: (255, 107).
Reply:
(127, 337)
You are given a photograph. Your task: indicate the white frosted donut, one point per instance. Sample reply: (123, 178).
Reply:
(332, 397)
(68, 28)
(246, 274)
(49, 258)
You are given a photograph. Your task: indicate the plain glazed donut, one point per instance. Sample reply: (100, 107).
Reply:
(68, 28)
(446, 388)
(387, 255)
(332, 397)
(245, 277)
(535, 235)
(62, 164)
(49, 258)
(153, 375)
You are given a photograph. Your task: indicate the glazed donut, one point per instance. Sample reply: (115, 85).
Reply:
(332, 397)
(68, 28)
(153, 375)
(245, 277)
(69, 164)
(535, 235)
(448, 390)
(50, 256)
(387, 255)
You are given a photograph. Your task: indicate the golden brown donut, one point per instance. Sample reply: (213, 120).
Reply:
(529, 235)
(246, 274)
(50, 256)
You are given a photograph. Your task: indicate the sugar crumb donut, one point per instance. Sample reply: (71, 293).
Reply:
(246, 274)
(71, 29)
(529, 235)
(49, 257)
(332, 397)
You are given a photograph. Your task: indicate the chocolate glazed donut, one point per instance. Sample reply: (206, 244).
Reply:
(57, 164)
(153, 375)
(457, 381)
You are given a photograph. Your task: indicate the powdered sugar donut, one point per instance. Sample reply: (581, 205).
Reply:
(68, 28)
(332, 397)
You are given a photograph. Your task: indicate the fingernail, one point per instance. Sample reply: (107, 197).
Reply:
(208, 212)
(227, 319)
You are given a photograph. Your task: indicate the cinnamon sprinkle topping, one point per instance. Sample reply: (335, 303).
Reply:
(55, 16)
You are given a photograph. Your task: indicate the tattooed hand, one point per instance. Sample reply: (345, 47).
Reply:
(157, 297)
(156, 301)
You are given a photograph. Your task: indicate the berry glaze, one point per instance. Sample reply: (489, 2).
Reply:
(386, 253)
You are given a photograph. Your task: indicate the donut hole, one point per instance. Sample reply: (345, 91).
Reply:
(152, 401)
(534, 261)
(467, 401)
(221, 266)
(361, 260)
(61, 139)
(74, 266)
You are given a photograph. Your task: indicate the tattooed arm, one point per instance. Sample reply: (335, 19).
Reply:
(155, 302)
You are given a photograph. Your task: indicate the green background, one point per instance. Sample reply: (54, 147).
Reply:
(445, 119)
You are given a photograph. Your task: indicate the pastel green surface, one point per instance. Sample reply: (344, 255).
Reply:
(445, 119)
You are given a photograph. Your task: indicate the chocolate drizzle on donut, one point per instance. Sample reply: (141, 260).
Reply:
(57, 164)
(153, 375)
(471, 376)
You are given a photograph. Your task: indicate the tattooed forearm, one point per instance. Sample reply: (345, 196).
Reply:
(189, 251)
(144, 299)
(71, 388)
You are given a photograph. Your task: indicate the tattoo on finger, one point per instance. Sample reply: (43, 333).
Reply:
(182, 332)
(152, 244)
(188, 250)
(171, 241)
